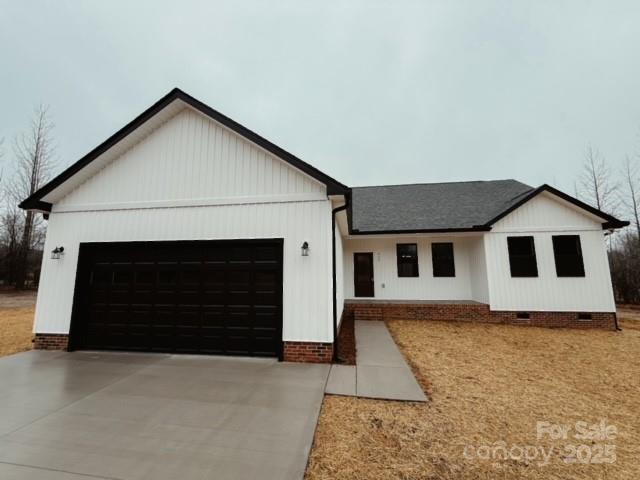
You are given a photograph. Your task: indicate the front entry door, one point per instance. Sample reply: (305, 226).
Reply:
(363, 274)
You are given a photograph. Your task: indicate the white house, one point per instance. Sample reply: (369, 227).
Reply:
(187, 232)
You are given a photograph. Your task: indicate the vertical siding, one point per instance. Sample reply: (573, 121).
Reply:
(543, 217)
(548, 292)
(307, 280)
(389, 286)
(546, 212)
(478, 270)
(339, 272)
(191, 157)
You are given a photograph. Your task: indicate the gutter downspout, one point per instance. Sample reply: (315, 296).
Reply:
(333, 259)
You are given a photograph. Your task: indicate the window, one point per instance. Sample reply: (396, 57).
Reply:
(442, 259)
(522, 257)
(568, 255)
(407, 259)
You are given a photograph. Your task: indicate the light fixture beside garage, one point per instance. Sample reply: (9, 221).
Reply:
(305, 249)
(57, 253)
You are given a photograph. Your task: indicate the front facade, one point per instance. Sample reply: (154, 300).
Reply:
(479, 285)
(186, 232)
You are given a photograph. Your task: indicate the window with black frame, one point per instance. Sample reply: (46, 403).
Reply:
(522, 257)
(567, 253)
(442, 260)
(407, 255)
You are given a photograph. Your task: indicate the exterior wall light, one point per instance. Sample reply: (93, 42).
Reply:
(305, 249)
(57, 253)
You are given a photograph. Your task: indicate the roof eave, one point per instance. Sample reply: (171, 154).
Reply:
(35, 204)
(475, 228)
(615, 224)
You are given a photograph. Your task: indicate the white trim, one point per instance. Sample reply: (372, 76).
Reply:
(373, 236)
(545, 229)
(191, 202)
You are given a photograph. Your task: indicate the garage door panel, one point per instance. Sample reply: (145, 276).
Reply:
(198, 297)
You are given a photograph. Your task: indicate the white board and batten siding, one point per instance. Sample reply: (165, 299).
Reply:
(542, 217)
(482, 264)
(193, 179)
(478, 270)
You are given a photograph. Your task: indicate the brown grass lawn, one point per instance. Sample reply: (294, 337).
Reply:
(16, 322)
(15, 330)
(489, 384)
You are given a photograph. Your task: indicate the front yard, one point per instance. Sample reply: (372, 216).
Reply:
(490, 385)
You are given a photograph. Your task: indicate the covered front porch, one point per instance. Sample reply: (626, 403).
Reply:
(439, 268)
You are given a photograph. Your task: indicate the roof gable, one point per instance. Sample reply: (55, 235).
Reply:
(608, 221)
(547, 211)
(190, 159)
(147, 121)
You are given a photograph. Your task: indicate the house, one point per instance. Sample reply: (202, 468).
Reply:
(187, 232)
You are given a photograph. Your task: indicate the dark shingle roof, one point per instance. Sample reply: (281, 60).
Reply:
(432, 206)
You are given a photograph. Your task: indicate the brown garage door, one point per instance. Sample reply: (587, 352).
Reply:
(209, 297)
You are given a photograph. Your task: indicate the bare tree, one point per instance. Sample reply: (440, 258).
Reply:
(11, 225)
(34, 160)
(632, 198)
(597, 185)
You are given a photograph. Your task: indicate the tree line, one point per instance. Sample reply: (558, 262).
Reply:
(29, 166)
(616, 190)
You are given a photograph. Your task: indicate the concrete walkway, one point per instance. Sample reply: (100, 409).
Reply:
(124, 416)
(380, 371)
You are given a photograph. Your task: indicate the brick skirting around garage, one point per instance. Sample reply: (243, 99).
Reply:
(308, 352)
(51, 341)
(478, 312)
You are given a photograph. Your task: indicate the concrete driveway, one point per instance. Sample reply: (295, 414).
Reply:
(72, 416)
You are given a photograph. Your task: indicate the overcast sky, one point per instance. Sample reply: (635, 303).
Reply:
(368, 92)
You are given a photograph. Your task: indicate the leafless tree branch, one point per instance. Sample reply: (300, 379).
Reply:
(596, 184)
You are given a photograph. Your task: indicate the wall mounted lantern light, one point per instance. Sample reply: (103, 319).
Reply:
(57, 253)
(305, 249)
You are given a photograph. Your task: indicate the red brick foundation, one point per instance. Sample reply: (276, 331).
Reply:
(51, 341)
(308, 352)
(480, 313)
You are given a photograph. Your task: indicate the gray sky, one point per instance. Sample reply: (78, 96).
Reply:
(369, 92)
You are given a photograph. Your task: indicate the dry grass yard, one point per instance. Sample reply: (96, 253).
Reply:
(16, 322)
(491, 384)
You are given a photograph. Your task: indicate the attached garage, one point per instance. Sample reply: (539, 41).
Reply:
(183, 233)
(209, 297)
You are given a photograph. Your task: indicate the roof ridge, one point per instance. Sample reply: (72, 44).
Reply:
(442, 183)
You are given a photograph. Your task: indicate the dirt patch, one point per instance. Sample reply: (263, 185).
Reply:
(490, 384)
